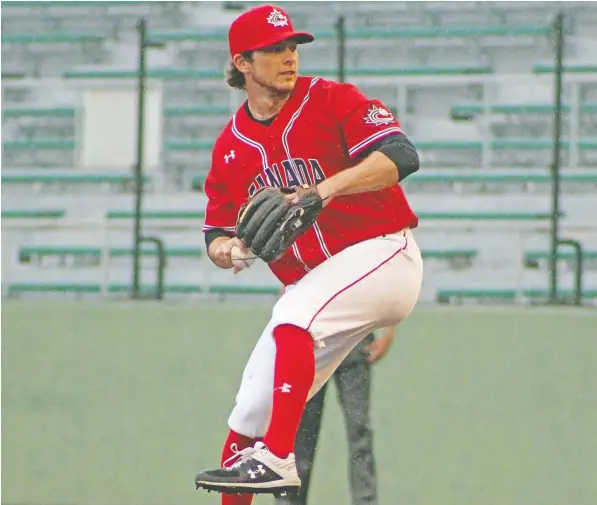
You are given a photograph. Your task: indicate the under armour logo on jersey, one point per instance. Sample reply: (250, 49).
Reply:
(284, 388)
(229, 156)
(378, 116)
(258, 470)
(276, 18)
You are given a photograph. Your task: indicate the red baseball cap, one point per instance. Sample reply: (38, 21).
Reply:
(261, 27)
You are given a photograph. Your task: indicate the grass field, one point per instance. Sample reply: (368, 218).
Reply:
(121, 403)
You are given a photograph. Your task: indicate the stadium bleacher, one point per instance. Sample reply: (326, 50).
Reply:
(472, 84)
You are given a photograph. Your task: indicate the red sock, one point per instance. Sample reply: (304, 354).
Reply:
(241, 442)
(293, 377)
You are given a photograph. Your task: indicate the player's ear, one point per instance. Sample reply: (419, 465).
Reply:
(242, 62)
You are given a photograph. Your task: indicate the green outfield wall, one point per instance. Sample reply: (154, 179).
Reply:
(121, 403)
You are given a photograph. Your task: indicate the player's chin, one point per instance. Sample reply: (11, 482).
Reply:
(286, 82)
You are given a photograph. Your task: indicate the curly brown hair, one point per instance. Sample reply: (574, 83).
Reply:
(234, 77)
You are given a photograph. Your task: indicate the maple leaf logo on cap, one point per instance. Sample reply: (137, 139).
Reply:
(276, 18)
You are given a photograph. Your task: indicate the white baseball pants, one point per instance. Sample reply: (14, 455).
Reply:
(369, 285)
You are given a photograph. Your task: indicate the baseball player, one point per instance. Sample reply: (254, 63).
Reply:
(353, 384)
(304, 176)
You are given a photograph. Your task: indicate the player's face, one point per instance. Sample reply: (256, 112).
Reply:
(276, 67)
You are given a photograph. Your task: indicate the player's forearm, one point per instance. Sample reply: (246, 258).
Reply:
(375, 172)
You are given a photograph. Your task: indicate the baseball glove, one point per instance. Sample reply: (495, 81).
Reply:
(269, 223)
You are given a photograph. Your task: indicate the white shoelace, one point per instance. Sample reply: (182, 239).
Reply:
(239, 456)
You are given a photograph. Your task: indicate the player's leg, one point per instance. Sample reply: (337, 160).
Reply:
(257, 469)
(234, 445)
(353, 381)
(282, 362)
(369, 285)
(305, 447)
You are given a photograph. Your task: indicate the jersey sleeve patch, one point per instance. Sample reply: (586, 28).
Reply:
(364, 121)
(378, 116)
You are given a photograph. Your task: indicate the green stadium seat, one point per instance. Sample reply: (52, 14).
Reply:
(449, 253)
(184, 73)
(186, 289)
(587, 144)
(45, 112)
(68, 3)
(13, 74)
(32, 213)
(480, 178)
(156, 73)
(52, 38)
(500, 144)
(483, 215)
(236, 289)
(565, 294)
(449, 295)
(457, 258)
(74, 177)
(449, 145)
(400, 71)
(507, 295)
(86, 288)
(378, 33)
(442, 215)
(576, 69)
(469, 178)
(35, 287)
(59, 287)
(157, 214)
(191, 36)
(188, 145)
(516, 144)
(43, 144)
(532, 259)
(547, 109)
(537, 144)
(190, 110)
(28, 253)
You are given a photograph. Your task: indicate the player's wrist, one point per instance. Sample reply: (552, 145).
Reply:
(326, 191)
(219, 252)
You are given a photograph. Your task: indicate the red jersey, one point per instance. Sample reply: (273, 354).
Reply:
(323, 128)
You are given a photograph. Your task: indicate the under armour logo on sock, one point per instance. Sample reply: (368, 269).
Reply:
(253, 473)
(284, 388)
(229, 156)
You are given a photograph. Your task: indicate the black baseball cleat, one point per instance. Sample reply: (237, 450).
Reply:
(256, 470)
